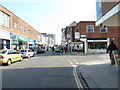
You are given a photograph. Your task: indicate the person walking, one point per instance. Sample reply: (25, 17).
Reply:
(111, 48)
(53, 50)
(65, 48)
(62, 50)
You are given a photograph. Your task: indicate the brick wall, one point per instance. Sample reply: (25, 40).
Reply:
(113, 32)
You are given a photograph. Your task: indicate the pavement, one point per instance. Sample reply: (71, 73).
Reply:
(100, 73)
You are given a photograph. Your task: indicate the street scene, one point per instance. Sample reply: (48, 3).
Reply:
(57, 71)
(47, 44)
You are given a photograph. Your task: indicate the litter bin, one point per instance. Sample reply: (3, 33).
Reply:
(116, 55)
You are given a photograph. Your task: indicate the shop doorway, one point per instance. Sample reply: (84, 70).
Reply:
(78, 46)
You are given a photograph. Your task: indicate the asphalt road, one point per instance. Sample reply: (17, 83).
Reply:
(44, 71)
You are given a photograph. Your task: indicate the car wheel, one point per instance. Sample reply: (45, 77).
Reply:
(9, 62)
(28, 56)
(21, 58)
(33, 55)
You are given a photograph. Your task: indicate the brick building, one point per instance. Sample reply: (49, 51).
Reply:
(108, 14)
(86, 37)
(19, 33)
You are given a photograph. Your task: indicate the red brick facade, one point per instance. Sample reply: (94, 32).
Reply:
(112, 32)
(13, 18)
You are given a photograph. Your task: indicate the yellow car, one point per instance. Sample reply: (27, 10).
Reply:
(9, 56)
(57, 49)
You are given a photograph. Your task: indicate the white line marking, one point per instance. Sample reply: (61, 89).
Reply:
(76, 78)
(75, 62)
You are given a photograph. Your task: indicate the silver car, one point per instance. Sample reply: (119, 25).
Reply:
(27, 53)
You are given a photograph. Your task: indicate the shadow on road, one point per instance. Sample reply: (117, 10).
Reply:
(38, 77)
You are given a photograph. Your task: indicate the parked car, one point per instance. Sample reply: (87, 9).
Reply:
(27, 53)
(57, 49)
(34, 50)
(40, 51)
(9, 56)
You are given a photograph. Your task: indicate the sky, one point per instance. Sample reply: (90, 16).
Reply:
(50, 16)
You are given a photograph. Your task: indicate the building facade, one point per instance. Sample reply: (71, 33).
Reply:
(86, 37)
(108, 14)
(49, 39)
(19, 33)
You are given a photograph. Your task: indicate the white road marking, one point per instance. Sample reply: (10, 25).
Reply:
(79, 85)
(75, 62)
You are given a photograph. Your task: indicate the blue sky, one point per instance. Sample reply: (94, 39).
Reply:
(51, 16)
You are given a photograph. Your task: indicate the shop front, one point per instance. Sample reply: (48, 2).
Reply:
(4, 39)
(97, 45)
(18, 41)
(78, 46)
(31, 44)
(36, 44)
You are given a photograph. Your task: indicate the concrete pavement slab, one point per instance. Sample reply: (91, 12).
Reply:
(99, 73)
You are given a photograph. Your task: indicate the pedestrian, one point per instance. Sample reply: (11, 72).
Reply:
(65, 48)
(62, 50)
(111, 48)
(53, 50)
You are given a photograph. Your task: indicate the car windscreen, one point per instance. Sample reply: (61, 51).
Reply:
(3, 51)
(22, 50)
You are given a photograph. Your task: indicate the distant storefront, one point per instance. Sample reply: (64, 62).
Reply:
(4, 39)
(18, 41)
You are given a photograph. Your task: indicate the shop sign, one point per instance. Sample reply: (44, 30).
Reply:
(4, 34)
(31, 40)
(77, 35)
(13, 36)
(35, 41)
(21, 38)
(83, 35)
(97, 40)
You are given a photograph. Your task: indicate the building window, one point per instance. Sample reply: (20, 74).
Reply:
(25, 29)
(90, 28)
(21, 27)
(4, 19)
(77, 30)
(15, 25)
(103, 29)
(28, 31)
(31, 32)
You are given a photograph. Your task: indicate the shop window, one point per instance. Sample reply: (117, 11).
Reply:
(15, 25)
(97, 45)
(90, 28)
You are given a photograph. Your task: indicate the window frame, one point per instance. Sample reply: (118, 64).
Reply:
(25, 29)
(21, 28)
(102, 31)
(87, 28)
(15, 25)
